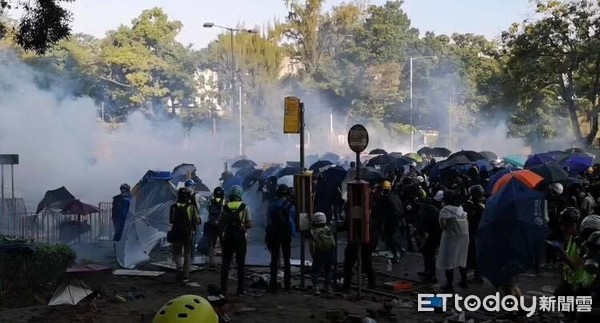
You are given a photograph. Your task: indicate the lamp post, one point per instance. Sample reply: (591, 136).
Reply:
(232, 70)
(412, 126)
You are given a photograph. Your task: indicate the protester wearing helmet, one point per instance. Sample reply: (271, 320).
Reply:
(281, 226)
(120, 208)
(322, 247)
(234, 221)
(186, 309)
(388, 215)
(184, 218)
(211, 227)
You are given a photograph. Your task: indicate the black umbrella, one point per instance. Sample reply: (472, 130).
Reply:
(56, 199)
(371, 175)
(425, 151)
(396, 154)
(245, 171)
(334, 176)
(488, 155)
(457, 160)
(330, 157)
(378, 151)
(201, 187)
(469, 154)
(295, 164)
(243, 163)
(380, 160)
(180, 173)
(319, 164)
(288, 171)
(440, 152)
(551, 173)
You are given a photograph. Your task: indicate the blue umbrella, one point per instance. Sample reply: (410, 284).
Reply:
(511, 233)
(495, 178)
(578, 164)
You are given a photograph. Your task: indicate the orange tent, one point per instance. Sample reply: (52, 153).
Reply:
(524, 176)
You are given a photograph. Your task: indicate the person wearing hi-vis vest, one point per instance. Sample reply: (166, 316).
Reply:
(234, 222)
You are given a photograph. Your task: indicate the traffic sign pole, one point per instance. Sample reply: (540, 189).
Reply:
(302, 243)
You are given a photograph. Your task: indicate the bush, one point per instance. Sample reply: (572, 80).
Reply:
(27, 276)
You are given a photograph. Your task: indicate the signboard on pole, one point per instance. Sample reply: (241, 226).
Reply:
(291, 115)
(358, 138)
(9, 159)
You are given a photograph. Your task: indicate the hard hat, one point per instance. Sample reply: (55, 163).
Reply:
(557, 187)
(439, 196)
(420, 179)
(590, 170)
(190, 182)
(319, 218)
(186, 308)
(570, 215)
(386, 185)
(218, 192)
(282, 189)
(236, 191)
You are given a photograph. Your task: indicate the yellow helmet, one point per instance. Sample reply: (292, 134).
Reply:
(386, 185)
(186, 308)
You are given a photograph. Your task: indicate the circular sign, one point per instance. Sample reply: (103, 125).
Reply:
(358, 138)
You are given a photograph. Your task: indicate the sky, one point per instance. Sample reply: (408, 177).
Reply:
(486, 17)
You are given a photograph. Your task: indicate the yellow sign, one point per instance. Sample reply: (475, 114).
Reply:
(291, 115)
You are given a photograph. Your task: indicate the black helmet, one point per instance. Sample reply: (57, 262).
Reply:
(282, 190)
(477, 190)
(124, 187)
(219, 192)
(183, 194)
(570, 215)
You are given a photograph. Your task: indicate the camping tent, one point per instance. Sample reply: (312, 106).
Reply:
(148, 218)
(80, 282)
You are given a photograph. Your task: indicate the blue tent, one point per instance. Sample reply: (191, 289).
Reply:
(512, 232)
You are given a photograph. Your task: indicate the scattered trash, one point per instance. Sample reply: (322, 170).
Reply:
(141, 273)
(120, 299)
(193, 284)
(171, 265)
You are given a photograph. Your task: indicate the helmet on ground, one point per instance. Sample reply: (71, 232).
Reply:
(319, 218)
(219, 192)
(236, 191)
(282, 190)
(125, 187)
(190, 183)
(386, 185)
(186, 308)
(590, 222)
(570, 215)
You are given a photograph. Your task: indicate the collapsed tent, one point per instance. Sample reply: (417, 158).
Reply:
(148, 218)
(55, 199)
(80, 282)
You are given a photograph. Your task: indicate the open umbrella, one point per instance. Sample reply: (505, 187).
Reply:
(55, 199)
(440, 152)
(578, 163)
(378, 151)
(334, 176)
(414, 156)
(330, 157)
(371, 175)
(318, 165)
(396, 154)
(527, 177)
(575, 150)
(181, 173)
(469, 154)
(425, 151)
(243, 172)
(380, 160)
(79, 208)
(243, 163)
(516, 160)
(511, 233)
(288, 171)
(551, 173)
(488, 155)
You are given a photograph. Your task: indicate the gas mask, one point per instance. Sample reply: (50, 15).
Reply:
(592, 257)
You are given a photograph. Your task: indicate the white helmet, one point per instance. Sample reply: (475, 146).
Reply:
(439, 196)
(557, 187)
(590, 222)
(319, 218)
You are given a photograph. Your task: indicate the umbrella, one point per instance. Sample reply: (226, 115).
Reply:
(396, 154)
(334, 176)
(457, 160)
(517, 160)
(578, 164)
(330, 157)
(440, 152)
(80, 282)
(490, 185)
(371, 175)
(511, 233)
(488, 155)
(575, 150)
(55, 199)
(378, 151)
(414, 157)
(243, 172)
(243, 163)
(316, 167)
(79, 208)
(201, 187)
(551, 173)
(271, 171)
(181, 173)
(527, 177)
(288, 171)
(469, 154)
(380, 160)
(425, 151)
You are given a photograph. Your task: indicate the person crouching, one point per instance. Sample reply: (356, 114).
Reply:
(184, 218)
(322, 248)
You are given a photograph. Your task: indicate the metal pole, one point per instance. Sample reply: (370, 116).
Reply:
(359, 276)
(412, 133)
(302, 247)
(2, 189)
(240, 116)
(232, 71)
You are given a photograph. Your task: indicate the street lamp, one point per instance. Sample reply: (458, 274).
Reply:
(412, 126)
(232, 70)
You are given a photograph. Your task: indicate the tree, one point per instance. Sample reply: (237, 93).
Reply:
(43, 24)
(559, 55)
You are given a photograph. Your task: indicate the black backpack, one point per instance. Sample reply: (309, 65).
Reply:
(231, 219)
(214, 209)
(182, 224)
(280, 218)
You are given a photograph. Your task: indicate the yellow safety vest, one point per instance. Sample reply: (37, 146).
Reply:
(579, 276)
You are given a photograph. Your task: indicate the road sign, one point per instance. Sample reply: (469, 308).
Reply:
(291, 115)
(358, 138)
(9, 159)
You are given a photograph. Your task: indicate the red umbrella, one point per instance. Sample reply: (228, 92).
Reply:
(79, 208)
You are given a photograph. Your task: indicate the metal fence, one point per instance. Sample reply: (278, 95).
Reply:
(55, 228)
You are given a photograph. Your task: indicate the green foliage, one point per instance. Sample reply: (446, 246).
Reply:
(24, 276)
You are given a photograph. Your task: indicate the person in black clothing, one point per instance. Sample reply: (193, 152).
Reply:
(351, 257)
(388, 208)
(120, 208)
(428, 225)
(474, 207)
(211, 227)
(278, 235)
